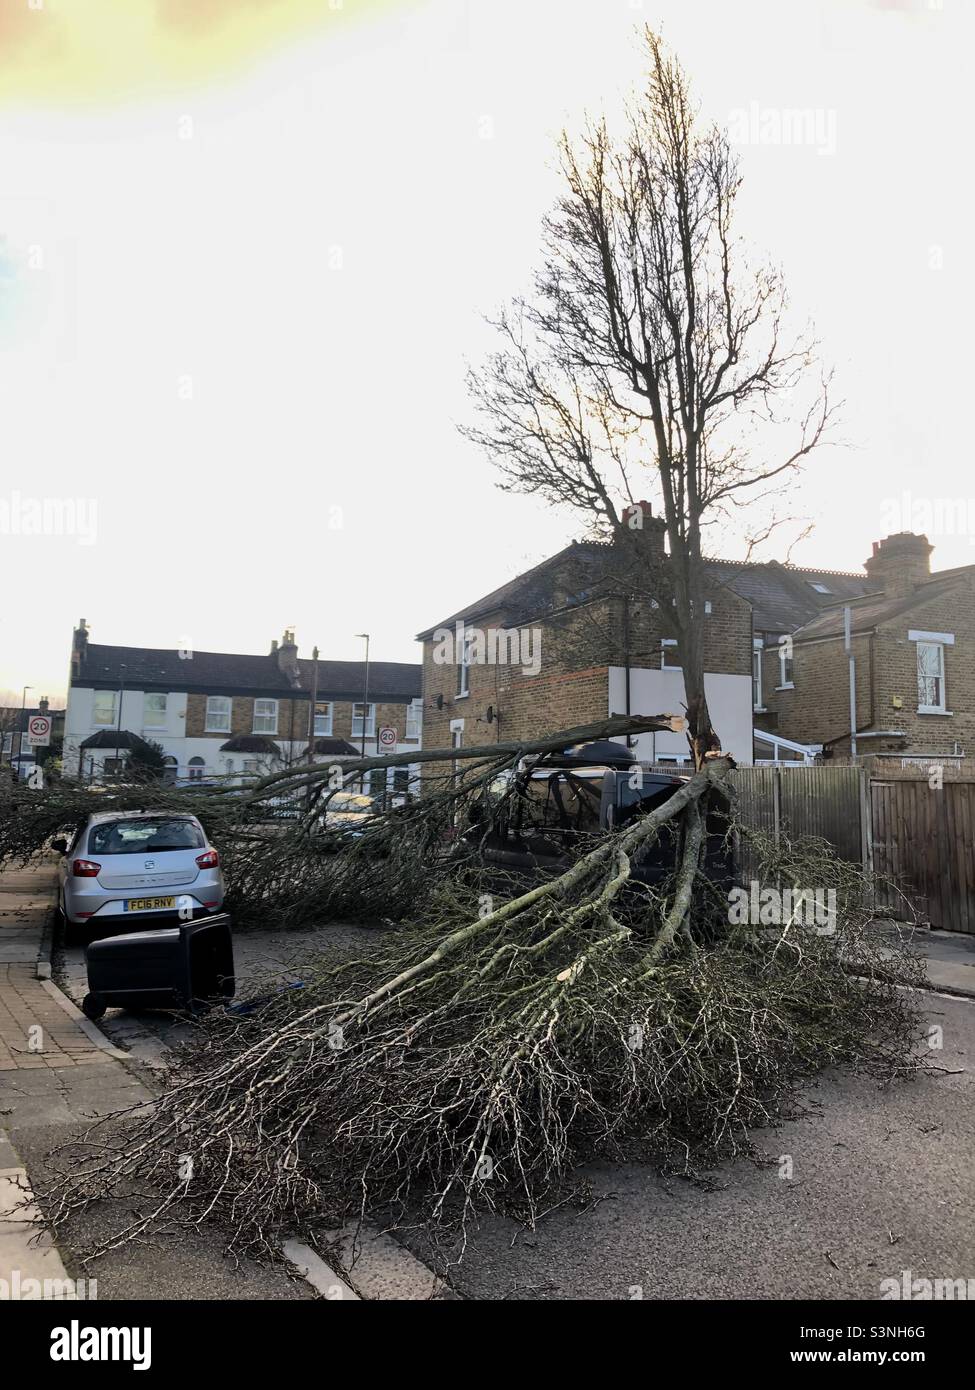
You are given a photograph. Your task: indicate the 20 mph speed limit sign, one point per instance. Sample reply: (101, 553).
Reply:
(39, 731)
(387, 736)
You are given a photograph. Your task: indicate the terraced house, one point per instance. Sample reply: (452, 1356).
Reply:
(227, 713)
(912, 636)
(588, 647)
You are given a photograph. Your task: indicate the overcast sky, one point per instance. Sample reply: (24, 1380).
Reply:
(245, 248)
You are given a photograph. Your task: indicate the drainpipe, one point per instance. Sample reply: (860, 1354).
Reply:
(848, 645)
(626, 662)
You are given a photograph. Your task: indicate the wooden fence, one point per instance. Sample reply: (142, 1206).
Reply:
(924, 838)
(917, 839)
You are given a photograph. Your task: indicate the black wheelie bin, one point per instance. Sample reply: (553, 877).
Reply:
(189, 966)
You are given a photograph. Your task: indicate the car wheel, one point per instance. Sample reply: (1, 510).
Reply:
(93, 1006)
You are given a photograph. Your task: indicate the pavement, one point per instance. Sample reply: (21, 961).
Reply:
(57, 1073)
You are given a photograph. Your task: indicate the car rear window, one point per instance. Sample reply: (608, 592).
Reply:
(144, 836)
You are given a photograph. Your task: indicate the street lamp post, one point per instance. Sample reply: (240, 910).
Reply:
(118, 722)
(365, 701)
(20, 741)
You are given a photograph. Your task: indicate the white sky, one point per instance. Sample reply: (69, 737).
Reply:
(328, 395)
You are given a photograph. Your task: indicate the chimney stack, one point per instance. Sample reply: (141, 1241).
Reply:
(42, 704)
(287, 655)
(79, 648)
(899, 563)
(648, 530)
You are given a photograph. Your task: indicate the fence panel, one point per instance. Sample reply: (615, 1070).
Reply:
(923, 840)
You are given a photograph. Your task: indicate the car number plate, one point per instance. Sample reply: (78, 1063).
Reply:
(146, 904)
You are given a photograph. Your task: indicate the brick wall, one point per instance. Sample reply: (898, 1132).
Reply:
(572, 687)
(817, 710)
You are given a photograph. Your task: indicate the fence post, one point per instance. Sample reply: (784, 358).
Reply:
(776, 805)
(866, 821)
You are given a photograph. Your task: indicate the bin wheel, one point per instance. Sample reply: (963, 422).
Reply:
(93, 1006)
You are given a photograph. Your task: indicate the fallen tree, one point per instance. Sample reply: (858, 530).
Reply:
(487, 1048)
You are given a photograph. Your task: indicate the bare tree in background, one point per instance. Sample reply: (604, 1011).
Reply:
(651, 346)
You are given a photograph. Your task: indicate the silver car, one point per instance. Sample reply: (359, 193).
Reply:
(127, 870)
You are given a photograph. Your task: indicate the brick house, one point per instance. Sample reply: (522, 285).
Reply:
(913, 640)
(783, 599)
(224, 713)
(562, 645)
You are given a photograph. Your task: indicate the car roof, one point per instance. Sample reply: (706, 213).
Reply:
(99, 816)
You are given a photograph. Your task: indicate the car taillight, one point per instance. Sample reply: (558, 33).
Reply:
(209, 860)
(85, 868)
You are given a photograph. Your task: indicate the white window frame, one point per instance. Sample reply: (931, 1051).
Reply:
(327, 718)
(370, 729)
(104, 694)
(940, 706)
(154, 695)
(666, 642)
(758, 695)
(784, 656)
(464, 667)
(265, 716)
(414, 718)
(211, 724)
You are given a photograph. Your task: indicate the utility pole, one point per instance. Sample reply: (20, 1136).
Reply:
(314, 701)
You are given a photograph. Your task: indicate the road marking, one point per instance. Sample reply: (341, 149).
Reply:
(312, 1267)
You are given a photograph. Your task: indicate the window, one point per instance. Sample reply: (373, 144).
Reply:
(265, 717)
(757, 646)
(786, 681)
(218, 714)
(323, 718)
(930, 677)
(669, 655)
(154, 711)
(370, 717)
(820, 588)
(103, 707)
(170, 770)
(463, 666)
(251, 765)
(414, 718)
(195, 768)
(145, 836)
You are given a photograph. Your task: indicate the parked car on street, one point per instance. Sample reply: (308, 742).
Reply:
(129, 870)
(562, 802)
